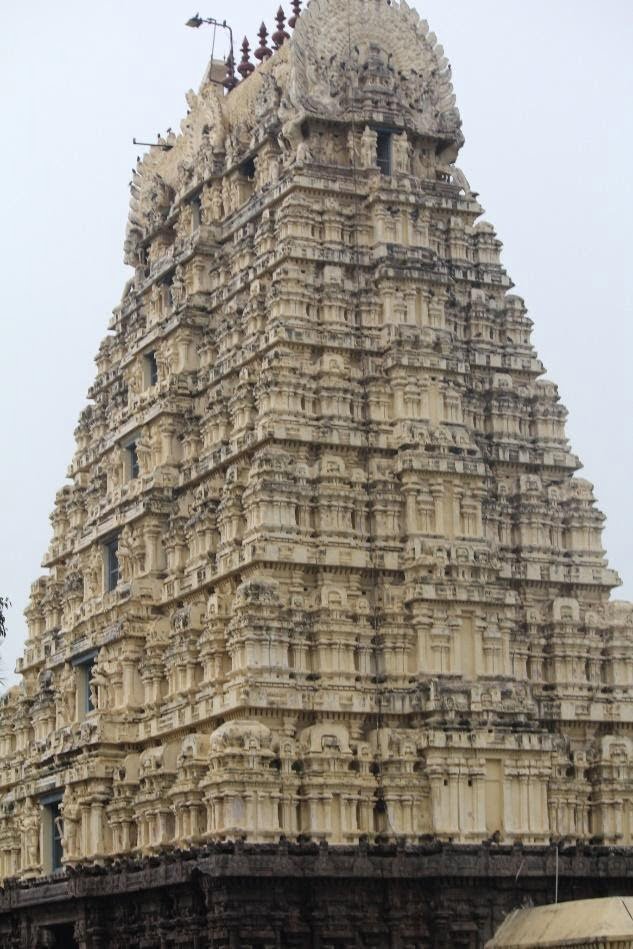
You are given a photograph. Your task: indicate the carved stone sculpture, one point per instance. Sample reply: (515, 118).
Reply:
(30, 828)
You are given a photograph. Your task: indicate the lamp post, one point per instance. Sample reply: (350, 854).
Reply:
(195, 22)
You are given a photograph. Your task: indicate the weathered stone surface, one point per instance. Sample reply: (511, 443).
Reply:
(287, 895)
(324, 570)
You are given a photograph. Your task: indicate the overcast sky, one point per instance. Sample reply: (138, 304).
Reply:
(545, 91)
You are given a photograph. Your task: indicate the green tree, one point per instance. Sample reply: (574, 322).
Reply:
(5, 603)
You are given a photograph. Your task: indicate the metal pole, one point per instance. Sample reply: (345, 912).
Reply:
(556, 884)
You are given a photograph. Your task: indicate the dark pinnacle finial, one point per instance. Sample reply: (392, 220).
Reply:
(230, 80)
(263, 52)
(296, 13)
(280, 36)
(245, 67)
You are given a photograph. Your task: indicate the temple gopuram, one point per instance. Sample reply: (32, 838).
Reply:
(324, 656)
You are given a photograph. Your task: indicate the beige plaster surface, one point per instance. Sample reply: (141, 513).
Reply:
(578, 924)
(361, 591)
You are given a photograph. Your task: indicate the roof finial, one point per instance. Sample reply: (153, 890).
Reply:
(263, 52)
(296, 13)
(245, 67)
(280, 36)
(230, 80)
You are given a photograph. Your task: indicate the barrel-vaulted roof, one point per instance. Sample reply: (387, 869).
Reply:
(578, 924)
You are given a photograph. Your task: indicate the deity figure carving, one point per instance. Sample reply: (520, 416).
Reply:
(368, 146)
(212, 204)
(101, 683)
(178, 287)
(163, 363)
(30, 829)
(93, 575)
(68, 825)
(227, 196)
(145, 450)
(460, 179)
(136, 381)
(155, 300)
(303, 152)
(124, 553)
(274, 169)
(67, 691)
(402, 153)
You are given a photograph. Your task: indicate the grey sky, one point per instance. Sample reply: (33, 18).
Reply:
(545, 90)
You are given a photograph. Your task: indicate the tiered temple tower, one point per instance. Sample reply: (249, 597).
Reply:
(323, 571)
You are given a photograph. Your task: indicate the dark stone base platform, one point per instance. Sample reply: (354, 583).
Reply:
(302, 896)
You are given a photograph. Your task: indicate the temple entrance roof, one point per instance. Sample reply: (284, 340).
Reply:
(580, 923)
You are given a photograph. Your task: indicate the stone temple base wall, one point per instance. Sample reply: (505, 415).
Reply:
(239, 896)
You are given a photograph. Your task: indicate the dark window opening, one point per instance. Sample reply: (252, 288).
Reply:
(142, 261)
(52, 832)
(383, 152)
(112, 563)
(152, 368)
(88, 669)
(133, 460)
(247, 169)
(84, 666)
(64, 936)
(195, 212)
(56, 842)
(85, 669)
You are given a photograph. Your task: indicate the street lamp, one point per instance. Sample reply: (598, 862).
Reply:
(197, 21)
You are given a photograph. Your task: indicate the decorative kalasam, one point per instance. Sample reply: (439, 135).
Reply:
(324, 570)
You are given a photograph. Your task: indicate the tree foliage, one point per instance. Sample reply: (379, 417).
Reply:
(5, 603)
